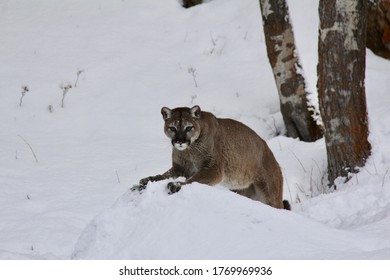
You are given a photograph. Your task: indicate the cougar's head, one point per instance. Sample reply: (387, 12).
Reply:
(182, 125)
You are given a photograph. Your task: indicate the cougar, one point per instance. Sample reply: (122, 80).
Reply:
(212, 150)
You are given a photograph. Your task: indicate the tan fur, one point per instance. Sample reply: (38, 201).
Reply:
(211, 151)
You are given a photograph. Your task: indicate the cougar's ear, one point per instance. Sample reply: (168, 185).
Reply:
(166, 113)
(195, 112)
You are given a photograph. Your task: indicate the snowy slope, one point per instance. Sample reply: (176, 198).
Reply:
(212, 223)
(134, 57)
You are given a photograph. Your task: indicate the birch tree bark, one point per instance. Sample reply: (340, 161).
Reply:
(341, 73)
(279, 39)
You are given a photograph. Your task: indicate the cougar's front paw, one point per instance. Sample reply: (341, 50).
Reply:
(142, 184)
(174, 187)
(145, 181)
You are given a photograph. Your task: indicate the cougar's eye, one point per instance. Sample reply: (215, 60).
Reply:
(172, 128)
(189, 128)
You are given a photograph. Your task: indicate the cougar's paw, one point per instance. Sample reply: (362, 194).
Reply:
(145, 181)
(173, 187)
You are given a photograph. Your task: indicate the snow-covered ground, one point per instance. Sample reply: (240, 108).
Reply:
(129, 59)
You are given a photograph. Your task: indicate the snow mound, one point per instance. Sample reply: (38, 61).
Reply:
(202, 222)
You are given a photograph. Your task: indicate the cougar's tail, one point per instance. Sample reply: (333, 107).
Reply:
(286, 205)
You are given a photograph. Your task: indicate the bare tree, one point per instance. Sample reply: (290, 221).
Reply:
(279, 39)
(341, 73)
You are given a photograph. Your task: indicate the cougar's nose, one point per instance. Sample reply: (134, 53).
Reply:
(180, 139)
(177, 142)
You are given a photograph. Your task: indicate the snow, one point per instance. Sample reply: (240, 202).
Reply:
(134, 57)
(155, 225)
(266, 8)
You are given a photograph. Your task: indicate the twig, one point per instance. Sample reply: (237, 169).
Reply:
(78, 75)
(65, 89)
(192, 71)
(311, 183)
(117, 176)
(213, 42)
(25, 89)
(376, 170)
(304, 169)
(298, 200)
(24, 140)
(221, 50)
(384, 176)
(212, 39)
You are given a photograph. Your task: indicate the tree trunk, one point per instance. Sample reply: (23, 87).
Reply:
(341, 73)
(279, 39)
(191, 3)
(378, 27)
